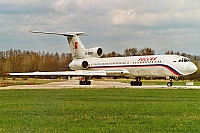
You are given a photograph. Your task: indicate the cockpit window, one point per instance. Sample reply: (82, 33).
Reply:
(184, 60)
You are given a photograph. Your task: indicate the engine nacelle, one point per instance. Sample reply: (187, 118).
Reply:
(94, 52)
(79, 65)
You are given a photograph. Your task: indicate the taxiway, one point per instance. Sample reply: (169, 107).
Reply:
(95, 84)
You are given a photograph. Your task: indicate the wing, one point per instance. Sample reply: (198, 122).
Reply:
(61, 73)
(119, 72)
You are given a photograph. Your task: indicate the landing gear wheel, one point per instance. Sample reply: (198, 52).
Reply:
(136, 83)
(169, 84)
(132, 83)
(81, 83)
(140, 83)
(85, 82)
(88, 82)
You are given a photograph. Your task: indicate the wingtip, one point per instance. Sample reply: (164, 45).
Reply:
(6, 74)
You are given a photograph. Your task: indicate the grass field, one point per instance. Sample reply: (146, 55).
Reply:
(99, 110)
(29, 81)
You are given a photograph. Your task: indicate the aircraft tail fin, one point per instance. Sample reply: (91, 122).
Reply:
(75, 44)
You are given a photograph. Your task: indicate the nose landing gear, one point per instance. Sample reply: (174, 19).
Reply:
(169, 84)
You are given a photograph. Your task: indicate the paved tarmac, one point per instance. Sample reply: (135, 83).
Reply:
(95, 84)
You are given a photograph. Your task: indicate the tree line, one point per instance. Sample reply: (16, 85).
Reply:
(30, 61)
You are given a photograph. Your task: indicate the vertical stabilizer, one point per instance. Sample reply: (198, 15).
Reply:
(76, 47)
(75, 44)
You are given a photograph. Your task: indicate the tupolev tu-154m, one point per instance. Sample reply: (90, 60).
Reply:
(88, 63)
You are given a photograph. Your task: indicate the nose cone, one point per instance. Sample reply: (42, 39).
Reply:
(191, 68)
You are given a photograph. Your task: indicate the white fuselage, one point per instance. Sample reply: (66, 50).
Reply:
(145, 66)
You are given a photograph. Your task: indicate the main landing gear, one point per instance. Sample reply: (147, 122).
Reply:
(137, 82)
(84, 81)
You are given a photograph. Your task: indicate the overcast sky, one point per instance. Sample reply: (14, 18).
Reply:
(112, 24)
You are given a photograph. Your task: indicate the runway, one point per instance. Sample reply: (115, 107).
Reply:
(95, 84)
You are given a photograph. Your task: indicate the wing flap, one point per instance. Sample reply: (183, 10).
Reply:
(117, 72)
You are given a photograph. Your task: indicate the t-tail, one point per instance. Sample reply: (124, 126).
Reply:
(76, 46)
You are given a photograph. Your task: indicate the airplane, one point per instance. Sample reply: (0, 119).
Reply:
(88, 63)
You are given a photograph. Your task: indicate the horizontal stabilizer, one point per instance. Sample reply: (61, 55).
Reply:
(63, 34)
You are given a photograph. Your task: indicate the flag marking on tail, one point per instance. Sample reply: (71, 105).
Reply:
(76, 45)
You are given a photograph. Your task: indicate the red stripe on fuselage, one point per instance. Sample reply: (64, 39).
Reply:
(135, 66)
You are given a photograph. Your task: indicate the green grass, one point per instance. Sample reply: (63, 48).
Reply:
(99, 110)
(21, 81)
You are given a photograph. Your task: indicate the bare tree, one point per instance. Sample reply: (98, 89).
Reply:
(113, 54)
(131, 52)
(147, 51)
(169, 52)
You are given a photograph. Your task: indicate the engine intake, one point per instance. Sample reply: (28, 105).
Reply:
(100, 52)
(85, 64)
(79, 65)
(94, 52)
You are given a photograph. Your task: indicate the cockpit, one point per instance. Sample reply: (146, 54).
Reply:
(184, 60)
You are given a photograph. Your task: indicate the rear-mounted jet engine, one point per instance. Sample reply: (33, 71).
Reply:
(79, 65)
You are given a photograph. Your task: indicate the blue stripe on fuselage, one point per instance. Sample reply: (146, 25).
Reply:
(135, 66)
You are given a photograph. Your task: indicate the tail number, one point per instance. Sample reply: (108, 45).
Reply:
(88, 53)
